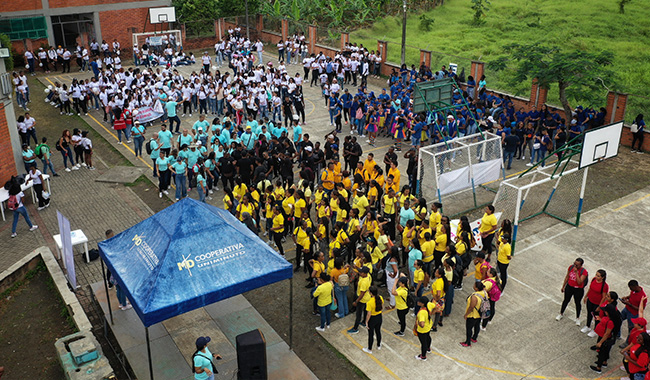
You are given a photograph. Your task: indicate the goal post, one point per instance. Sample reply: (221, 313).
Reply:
(560, 196)
(157, 40)
(457, 172)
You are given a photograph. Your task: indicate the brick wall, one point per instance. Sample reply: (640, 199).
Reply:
(20, 5)
(119, 24)
(200, 43)
(7, 163)
(79, 3)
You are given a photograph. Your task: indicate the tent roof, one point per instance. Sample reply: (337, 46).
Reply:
(187, 256)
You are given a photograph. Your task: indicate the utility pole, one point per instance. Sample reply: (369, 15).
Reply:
(404, 32)
(248, 33)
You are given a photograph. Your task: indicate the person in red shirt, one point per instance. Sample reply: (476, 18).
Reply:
(636, 357)
(574, 287)
(596, 295)
(607, 329)
(632, 303)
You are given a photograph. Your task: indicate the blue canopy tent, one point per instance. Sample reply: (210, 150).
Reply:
(187, 256)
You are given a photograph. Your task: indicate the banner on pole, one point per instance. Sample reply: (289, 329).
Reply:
(66, 248)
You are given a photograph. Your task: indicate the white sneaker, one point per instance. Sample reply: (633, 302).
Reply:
(320, 329)
(523, 157)
(483, 328)
(166, 192)
(210, 192)
(159, 195)
(67, 170)
(529, 164)
(379, 347)
(585, 329)
(327, 326)
(75, 168)
(128, 141)
(83, 164)
(119, 143)
(577, 321)
(34, 227)
(559, 316)
(592, 334)
(41, 208)
(367, 351)
(14, 235)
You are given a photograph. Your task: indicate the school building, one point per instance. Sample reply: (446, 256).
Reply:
(33, 23)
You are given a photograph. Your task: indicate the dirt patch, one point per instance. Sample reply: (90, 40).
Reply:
(33, 317)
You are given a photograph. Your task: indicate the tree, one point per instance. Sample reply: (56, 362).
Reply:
(480, 8)
(580, 75)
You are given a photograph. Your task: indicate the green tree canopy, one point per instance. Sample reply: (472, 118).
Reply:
(579, 75)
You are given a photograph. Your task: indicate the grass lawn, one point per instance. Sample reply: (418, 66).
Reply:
(591, 25)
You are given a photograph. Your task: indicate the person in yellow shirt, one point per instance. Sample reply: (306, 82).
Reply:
(341, 236)
(322, 233)
(378, 176)
(360, 201)
(319, 194)
(389, 202)
(278, 192)
(341, 190)
(370, 163)
(472, 314)
(328, 178)
(373, 195)
(278, 228)
(240, 189)
(428, 252)
(353, 231)
(245, 206)
(435, 217)
(393, 171)
(340, 276)
(439, 291)
(300, 205)
(323, 297)
(418, 278)
(401, 292)
(405, 195)
(360, 171)
(268, 214)
(407, 236)
(334, 205)
(346, 181)
(323, 209)
(486, 229)
(420, 209)
(390, 184)
(302, 241)
(318, 268)
(442, 240)
(229, 200)
(424, 228)
(481, 266)
(374, 308)
(422, 326)
(503, 258)
(363, 296)
(370, 225)
(375, 253)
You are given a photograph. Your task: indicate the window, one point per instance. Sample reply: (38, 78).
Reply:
(23, 28)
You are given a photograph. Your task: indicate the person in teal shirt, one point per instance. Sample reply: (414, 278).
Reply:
(297, 133)
(164, 174)
(170, 106)
(211, 169)
(203, 360)
(192, 155)
(165, 139)
(202, 137)
(154, 143)
(29, 158)
(253, 124)
(185, 139)
(248, 138)
(201, 123)
(216, 125)
(201, 184)
(137, 131)
(179, 168)
(265, 133)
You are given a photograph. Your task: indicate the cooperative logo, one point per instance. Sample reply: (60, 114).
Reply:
(187, 263)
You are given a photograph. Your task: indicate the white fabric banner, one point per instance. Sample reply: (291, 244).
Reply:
(487, 171)
(454, 181)
(66, 248)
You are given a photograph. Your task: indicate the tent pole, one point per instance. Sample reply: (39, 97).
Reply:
(291, 313)
(108, 297)
(146, 331)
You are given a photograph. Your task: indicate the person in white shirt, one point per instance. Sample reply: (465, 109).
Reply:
(66, 59)
(88, 150)
(259, 47)
(19, 210)
(52, 57)
(36, 177)
(42, 57)
(29, 57)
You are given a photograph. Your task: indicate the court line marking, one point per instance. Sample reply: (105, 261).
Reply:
(345, 333)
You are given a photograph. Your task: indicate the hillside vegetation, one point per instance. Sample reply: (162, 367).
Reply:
(591, 25)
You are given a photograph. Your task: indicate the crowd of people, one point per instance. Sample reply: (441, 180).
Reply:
(356, 223)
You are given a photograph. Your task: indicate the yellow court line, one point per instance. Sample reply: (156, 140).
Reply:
(633, 202)
(313, 107)
(615, 210)
(345, 333)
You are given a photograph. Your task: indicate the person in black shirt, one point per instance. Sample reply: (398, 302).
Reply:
(411, 169)
(286, 110)
(227, 170)
(389, 157)
(299, 104)
(245, 168)
(286, 169)
(319, 158)
(355, 153)
(560, 139)
(510, 144)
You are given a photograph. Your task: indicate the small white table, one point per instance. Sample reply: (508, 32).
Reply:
(4, 194)
(77, 237)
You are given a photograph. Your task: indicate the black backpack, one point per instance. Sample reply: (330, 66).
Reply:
(148, 147)
(198, 353)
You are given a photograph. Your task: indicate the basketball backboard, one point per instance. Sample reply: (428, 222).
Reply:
(437, 94)
(600, 144)
(162, 14)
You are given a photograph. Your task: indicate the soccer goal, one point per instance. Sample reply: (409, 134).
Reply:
(158, 40)
(458, 173)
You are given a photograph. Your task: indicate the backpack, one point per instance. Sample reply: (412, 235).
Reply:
(58, 145)
(147, 147)
(12, 203)
(198, 353)
(38, 151)
(458, 269)
(484, 310)
(495, 291)
(344, 280)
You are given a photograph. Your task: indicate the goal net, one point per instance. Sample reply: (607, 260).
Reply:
(463, 173)
(555, 191)
(158, 40)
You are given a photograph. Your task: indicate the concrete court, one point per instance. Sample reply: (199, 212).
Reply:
(172, 341)
(524, 340)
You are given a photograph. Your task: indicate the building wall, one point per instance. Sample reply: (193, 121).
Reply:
(7, 161)
(16, 5)
(118, 24)
(79, 3)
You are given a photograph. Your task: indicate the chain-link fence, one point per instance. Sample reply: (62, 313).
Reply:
(462, 173)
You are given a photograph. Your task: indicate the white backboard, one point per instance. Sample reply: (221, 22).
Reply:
(162, 14)
(600, 144)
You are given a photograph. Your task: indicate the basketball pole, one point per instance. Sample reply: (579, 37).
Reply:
(516, 226)
(582, 195)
